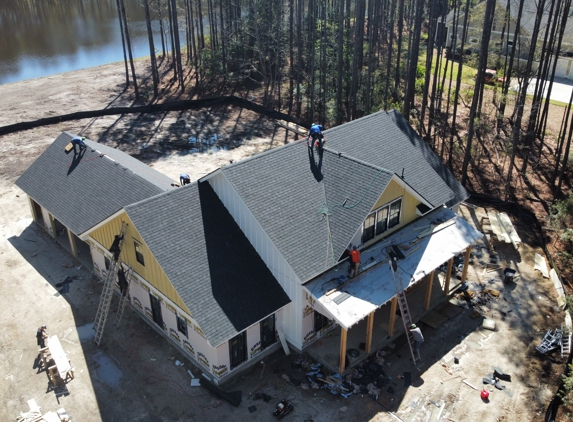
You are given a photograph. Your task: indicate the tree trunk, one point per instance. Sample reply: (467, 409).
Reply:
(413, 60)
(128, 46)
(488, 20)
(340, 62)
(154, 73)
(122, 30)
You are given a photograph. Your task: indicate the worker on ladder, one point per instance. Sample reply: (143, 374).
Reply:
(315, 134)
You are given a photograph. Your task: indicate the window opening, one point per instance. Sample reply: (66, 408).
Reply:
(381, 220)
(268, 336)
(182, 326)
(139, 253)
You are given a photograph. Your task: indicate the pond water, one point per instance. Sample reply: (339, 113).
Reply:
(40, 37)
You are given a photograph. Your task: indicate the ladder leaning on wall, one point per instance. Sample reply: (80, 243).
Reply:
(404, 310)
(107, 291)
(124, 297)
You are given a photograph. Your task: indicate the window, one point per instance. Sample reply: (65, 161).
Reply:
(382, 220)
(139, 253)
(107, 263)
(238, 349)
(268, 336)
(182, 326)
(320, 321)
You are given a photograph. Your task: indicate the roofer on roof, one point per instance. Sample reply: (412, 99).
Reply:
(79, 141)
(184, 179)
(355, 261)
(315, 133)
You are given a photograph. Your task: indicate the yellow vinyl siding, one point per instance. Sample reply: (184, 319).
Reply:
(152, 271)
(408, 212)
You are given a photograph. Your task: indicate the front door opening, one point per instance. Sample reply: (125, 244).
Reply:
(238, 349)
(268, 336)
(156, 310)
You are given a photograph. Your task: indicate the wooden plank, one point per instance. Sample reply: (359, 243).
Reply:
(507, 225)
(466, 264)
(283, 341)
(448, 276)
(343, 337)
(72, 243)
(497, 229)
(369, 325)
(392, 323)
(429, 291)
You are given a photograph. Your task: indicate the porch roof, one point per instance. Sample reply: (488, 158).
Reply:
(426, 244)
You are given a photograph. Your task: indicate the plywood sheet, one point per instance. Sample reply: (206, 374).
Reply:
(449, 310)
(434, 319)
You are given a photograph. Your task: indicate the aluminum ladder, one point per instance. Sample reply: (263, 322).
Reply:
(551, 340)
(107, 291)
(124, 298)
(565, 342)
(404, 310)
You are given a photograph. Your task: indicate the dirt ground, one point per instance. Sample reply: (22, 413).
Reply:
(133, 377)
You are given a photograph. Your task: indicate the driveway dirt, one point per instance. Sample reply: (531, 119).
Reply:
(132, 376)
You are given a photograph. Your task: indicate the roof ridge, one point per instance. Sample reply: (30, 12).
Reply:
(342, 154)
(164, 193)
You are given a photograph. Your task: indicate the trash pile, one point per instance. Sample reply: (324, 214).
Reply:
(482, 299)
(496, 378)
(367, 378)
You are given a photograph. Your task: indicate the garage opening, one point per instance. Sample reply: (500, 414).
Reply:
(38, 216)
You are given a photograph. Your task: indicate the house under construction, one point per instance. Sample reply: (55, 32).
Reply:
(253, 255)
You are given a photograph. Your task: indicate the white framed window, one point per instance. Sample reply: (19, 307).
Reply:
(381, 220)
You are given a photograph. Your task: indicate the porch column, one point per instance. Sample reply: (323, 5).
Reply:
(429, 291)
(392, 322)
(369, 326)
(448, 276)
(466, 263)
(73, 243)
(343, 336)
(53, 226)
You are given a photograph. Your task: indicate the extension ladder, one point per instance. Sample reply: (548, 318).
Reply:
(107, 291)
(565, 342)
(124, 298)
(405, 311)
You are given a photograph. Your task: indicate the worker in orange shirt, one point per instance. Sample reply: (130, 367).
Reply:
(354, 261)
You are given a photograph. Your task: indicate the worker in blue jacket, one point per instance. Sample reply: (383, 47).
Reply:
(315, 133)
(79, 141)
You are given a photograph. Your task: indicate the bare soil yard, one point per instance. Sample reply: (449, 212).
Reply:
(132, 376)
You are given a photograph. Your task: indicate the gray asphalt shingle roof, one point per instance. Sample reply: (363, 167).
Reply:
(386, 140)
(82, 191)
(300, 204)
(216, 271)
(300, 207)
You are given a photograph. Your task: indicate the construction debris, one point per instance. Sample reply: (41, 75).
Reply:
(541, 265)
(551, 341)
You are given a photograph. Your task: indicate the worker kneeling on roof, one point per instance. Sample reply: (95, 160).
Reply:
(315, 133)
